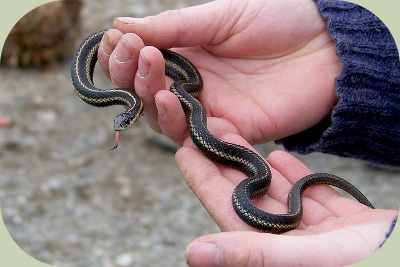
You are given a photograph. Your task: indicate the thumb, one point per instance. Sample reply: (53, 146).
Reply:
(185, 27)
(338, 247)
(223, 249)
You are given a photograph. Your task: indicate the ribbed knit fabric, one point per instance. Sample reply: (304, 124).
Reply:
(366, 121)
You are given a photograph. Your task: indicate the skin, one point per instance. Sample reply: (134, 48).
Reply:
(273, 57)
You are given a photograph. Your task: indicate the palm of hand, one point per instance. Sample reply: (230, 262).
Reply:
(259, 79)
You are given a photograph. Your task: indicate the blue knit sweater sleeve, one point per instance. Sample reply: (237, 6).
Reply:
(365, 123)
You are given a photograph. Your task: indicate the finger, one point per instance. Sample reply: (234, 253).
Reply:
(314, 212)
(177, 28)
(107, 46)
(288, 165)
(212, 189)
(321, 202)
(150, 78)
(356, 242)
(124, 60)
(171, 117)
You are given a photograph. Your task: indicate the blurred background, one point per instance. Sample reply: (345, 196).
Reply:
(67, 203)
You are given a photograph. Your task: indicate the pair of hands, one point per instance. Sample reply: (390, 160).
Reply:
(268, 70)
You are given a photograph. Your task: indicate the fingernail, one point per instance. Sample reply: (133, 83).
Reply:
(161, 108)
(129, 20)
(106, 45)
(203, 254)
(143, 65)
(124, 51)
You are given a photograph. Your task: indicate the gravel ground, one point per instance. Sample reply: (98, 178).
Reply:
(67, 203)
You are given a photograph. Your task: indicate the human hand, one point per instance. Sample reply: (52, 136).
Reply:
(334, 229)
(268, 66)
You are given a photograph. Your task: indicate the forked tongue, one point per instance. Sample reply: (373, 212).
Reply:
(116, 142)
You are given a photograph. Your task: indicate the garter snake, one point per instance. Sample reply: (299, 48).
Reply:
(187, 86)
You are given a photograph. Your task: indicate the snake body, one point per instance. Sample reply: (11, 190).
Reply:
(187, 86)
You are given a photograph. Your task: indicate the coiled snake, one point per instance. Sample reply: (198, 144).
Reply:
(188, 84)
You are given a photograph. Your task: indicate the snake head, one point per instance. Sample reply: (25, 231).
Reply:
(124, 121)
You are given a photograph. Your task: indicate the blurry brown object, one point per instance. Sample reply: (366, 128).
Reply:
(43, 36)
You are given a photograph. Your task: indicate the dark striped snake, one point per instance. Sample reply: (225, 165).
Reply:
(187, 86)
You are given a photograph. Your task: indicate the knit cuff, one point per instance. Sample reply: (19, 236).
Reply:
(366, 121)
